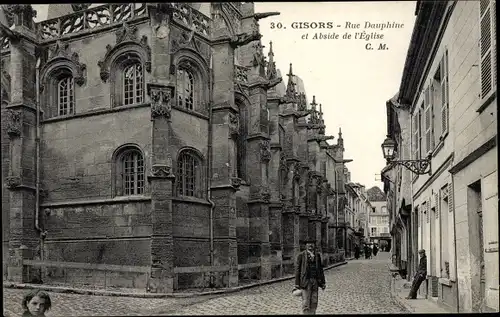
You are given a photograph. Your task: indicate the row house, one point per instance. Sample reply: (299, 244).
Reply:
(356, 211)
(446, 112)
(378, 218)
(397, 186)
(158, 141)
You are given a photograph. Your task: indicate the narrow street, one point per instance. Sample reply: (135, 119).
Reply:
(360, 287)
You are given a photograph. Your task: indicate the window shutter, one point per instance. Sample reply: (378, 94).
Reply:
(436, 204)
(415, 135)
(419, 125)
(485, 45)
(445, 94)
(431, 110)
(427, 121)
(428, 210)
(450, 197)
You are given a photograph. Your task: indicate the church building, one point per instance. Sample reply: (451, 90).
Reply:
(156, 146)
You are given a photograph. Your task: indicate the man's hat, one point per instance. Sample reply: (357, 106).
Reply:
(421, 251)
(310, 240)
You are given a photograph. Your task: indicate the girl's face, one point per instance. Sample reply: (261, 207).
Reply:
(36, 306)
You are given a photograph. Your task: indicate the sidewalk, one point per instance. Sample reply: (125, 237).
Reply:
(400, 289)
(141, 294)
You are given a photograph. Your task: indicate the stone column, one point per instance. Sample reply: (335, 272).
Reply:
(21, 128)
(225, 124)
(258, 204)
(317, 225)
(161, 178)
(281, 194)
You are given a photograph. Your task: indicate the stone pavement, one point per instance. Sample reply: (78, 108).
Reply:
(361, 286)
(400, 289)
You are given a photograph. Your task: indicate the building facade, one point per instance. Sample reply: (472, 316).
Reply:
(448, 93)
(378, 218)
(157, 139)
(356, 211)
(397, 188)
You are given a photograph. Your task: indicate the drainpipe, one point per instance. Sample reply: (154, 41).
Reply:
(209, 166)
(37, 143)
(455, 248)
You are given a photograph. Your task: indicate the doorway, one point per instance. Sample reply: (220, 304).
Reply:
(476, 246)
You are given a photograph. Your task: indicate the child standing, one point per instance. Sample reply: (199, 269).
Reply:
(36, 303)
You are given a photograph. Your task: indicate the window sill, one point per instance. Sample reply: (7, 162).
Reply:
(444, 281)
(486, 102)
(94, 112)
(438, 147)
(191, 112)
(189, 199)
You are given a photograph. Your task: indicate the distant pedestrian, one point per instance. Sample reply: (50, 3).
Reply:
(375, 250)
(36, 303)
(368, 251)
(420, 275)
(356, 251)
(309, 276)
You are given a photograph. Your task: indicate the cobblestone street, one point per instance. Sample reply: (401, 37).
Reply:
(361, 286)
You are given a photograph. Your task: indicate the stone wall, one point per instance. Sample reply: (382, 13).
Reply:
(116, 233)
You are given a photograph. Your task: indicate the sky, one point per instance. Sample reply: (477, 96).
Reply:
(351, 82)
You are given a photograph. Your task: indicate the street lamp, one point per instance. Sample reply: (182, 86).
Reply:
(420, 167)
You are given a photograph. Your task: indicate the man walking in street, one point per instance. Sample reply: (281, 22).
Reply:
(420, 275)
(309, 276)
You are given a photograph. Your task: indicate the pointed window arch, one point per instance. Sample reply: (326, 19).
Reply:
(65, 95)
(189, 180)
(129, 174)
(185, 88)
(133, 84)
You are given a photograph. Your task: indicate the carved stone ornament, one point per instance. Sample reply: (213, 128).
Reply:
(20, 14)
(265, 194)
(126, 36)
(244, 38)
(126, 33)
(296, 172)
(258, 57)
(161, 100)
(311, 178)
(234, 124)
(297, 209)
(261, 15)
(283, 163)
(80, 6)
(288, 209)
(265, 151)
(183, 13)
(235, 182)
(61, 52)
(182, 39)
(271, 83)
(13, 182)
(14, 123)
(161, 171)
(319, 190)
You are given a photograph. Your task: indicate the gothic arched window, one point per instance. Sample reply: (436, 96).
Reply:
(65, 95)
(185, 88)
(133, 84)
(129, 178)
(188, 178)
